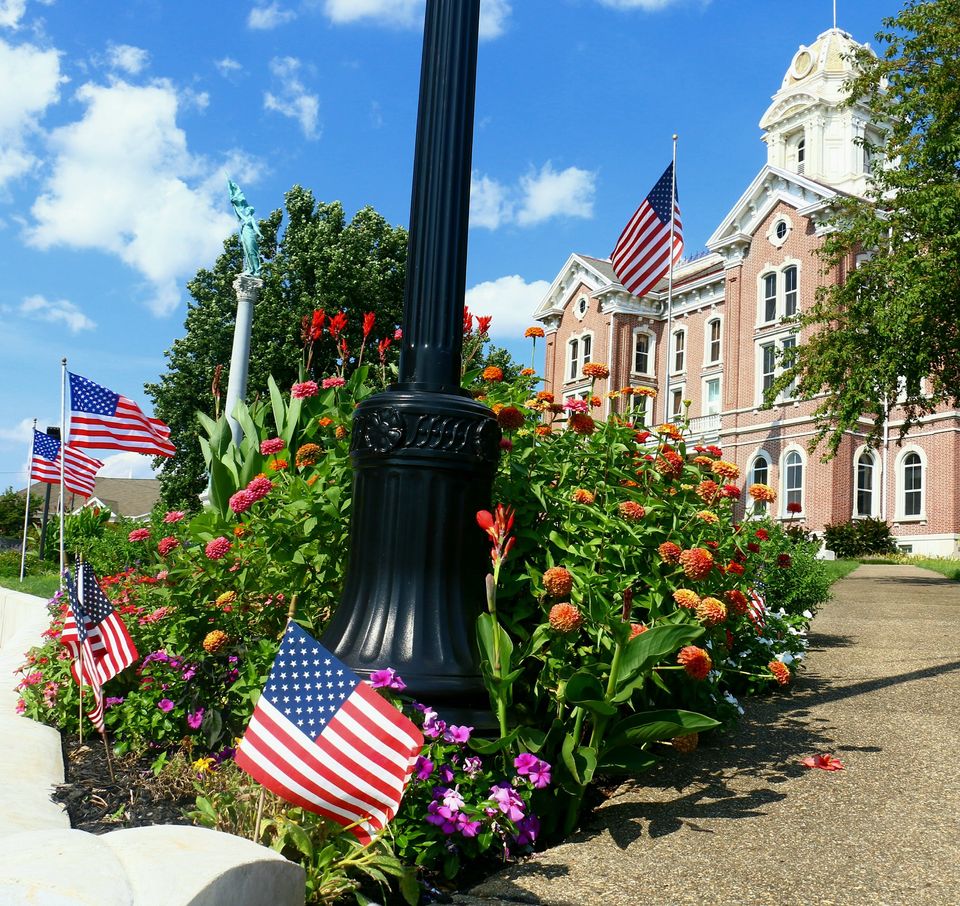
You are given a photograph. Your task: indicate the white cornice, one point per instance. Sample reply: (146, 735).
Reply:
(576, 271)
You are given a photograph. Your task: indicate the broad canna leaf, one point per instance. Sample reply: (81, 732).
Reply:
(649, 726)
(625, 759)
(644, 651)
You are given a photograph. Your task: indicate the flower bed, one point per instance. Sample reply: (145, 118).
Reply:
(623, 619)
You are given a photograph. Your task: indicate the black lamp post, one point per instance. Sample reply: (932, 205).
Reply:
(424, 452)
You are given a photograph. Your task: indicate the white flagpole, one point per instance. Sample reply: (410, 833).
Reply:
(26, 512)
(63, 459)
(667, 415)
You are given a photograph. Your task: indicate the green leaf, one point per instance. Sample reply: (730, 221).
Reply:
(580, 761)
(410, 887)
(625, 759)
(491, 746)
(645, 650)
(488, 629)
(582, 687)
(648, 726)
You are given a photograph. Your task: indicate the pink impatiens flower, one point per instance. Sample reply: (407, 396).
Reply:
(305, 389)
(165, 704)
(217, 548)
(195, 719)
(537, 770)
(387, 679)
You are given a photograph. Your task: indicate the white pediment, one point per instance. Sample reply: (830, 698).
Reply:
(577, 271)
(770, 187)
(788, 106)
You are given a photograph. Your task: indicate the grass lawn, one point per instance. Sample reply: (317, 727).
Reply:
(946, 566)
(837, 569)
(43, 585)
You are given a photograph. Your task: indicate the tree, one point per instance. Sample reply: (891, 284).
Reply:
(887, 333)
(319, 261)
(12, 506)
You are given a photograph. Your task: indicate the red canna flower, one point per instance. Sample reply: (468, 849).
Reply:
(382, 348)
(483, 323)
(498, 526)
(467, 320)
(316, 324)
(368, 320)
(337, 323)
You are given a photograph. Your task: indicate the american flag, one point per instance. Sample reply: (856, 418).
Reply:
(756, 609)
(325, 740)
(641, 257)
(95, 628)
(102, 419)
(79, 470)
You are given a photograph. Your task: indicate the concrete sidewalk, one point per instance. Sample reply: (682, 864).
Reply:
(740, 822)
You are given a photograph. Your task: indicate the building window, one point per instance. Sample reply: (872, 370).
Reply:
(676, 401)
(866, 474)
(711, 396)
(573, 359)
(912, 485)
(641, 353)
(586, 344)
(770, 297)
(679, 344)
(768, 365)
(780, 230)
(760, 474)
(790, 291)
(792, 481)
(801, 154)
(788, 347)
(713, 341)
(582, 307)
(642, 408)
(773, 358)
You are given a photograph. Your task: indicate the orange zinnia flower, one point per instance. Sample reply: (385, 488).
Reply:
(780, 671)
(711, 611)
(686, 598)
(596, 370)
(695, 661)
(696, 562)
(492, 373)
(565, 618)
(632, 510)
(727, 469)
(533, 332)
(558, 582)
(581, 495)
(669, 552)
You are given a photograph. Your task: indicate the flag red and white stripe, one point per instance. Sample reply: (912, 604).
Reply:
(756, 609)
(642, 257)
(79, 470)
(102, 419)
(334, 746)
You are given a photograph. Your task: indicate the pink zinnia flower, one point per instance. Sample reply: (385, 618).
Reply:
(272, 445)
(305, 389)
(174, 516)
(21, 706)
(575, 405)
(217, 549)
(139, 534)
(164, 546)
(259, 487)
(333, 382)
(242, 501)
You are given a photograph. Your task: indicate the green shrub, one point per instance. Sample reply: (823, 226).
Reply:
(859, 537)
(802, 583)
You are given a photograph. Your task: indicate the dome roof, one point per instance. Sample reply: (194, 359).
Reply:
(829, 55)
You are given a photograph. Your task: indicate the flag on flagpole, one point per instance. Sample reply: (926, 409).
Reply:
(322, 738)
(92, 616)
(642, 256)
(102, 419)
(79, 471)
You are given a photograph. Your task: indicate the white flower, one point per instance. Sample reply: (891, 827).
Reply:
(807, 614)
(785, 657)
(733, 701)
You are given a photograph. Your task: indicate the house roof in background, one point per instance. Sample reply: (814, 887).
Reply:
(129, 498)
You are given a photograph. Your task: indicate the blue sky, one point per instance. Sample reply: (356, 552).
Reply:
(119, 127)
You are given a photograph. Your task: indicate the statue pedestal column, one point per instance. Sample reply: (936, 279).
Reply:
(247, 288)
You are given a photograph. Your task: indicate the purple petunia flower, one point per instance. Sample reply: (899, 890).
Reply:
(165, 704)
(423, 767)
(527, 830)
(453, 800)
(195, 719)
(387, 679)
(467, 827)
(446, 774)
(457, 734)
(110, 701)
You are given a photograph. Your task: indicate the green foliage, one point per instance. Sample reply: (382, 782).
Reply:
(891, 323)
(793, 577)
(12, 507)
(320, 260)
(837, 569)
(859, 538)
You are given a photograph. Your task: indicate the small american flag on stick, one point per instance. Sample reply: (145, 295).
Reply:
(756, 609)
(325, 740)
(642, 256)
(102, 419)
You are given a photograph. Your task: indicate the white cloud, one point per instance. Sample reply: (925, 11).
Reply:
(489, 202)
(227, 66)
(409, 13)
(21, 434)
(511, 301)
(11, 11)
(263, 18)
(556, 193)
(123, 181)
(132, 60)
(536, 197)
(199, 100)
(60, 311)
(31, 82)
(126, 465)
(292, 98)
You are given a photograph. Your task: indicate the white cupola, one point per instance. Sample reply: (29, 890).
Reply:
(806, 128)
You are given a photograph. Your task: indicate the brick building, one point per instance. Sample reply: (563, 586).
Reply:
(724, 340)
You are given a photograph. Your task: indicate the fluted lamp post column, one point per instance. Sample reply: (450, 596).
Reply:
(424, 452)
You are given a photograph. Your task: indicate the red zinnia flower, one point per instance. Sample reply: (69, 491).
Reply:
(165, 545)
(784, 561)
(140, 534)
(669, 552)
(305, 389)
(794, 507)
(737, 600)
(259, 487)
(272, 445)
(632, 510)
(695, 661)
(510, 418)
(734, 568)
(581, 423)
(217, 548)
(241, 501)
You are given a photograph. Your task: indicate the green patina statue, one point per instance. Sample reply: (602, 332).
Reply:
(249, 229)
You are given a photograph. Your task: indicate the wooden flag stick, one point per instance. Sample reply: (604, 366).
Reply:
(106, 748)
(256, 825)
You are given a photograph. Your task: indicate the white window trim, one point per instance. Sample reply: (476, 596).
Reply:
(647, 405)
(680, 331)
(781, 304)
(758, 509)
(782, 491)
(706, 342)
(704, 397)
(576, 308)
(875, 489)
(775, 338)
(900, 489)
(651, 352)
(772, 237)
(677, 388)
(573, 393)
(579, 337)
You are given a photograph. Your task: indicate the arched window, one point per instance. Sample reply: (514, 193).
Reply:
(679, 350)
(760, 474)
(792, 482)
(912, 485)
(573, 359)
(586, 344)
(770, 297)
(790, 290)
(866, 477)
(713, 341)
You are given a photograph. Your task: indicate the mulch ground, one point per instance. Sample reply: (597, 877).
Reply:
(134, 797)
